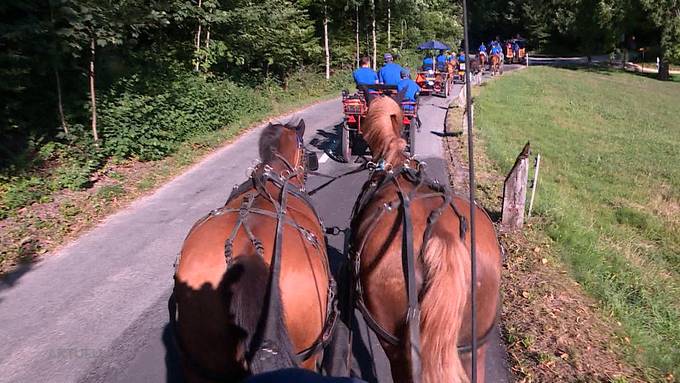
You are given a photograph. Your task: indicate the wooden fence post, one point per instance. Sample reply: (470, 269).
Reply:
(515, 192)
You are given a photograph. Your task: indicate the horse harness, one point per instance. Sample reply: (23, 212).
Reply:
(382, 176)
(251, 189)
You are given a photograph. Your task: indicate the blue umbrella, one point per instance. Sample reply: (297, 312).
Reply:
(433, 44)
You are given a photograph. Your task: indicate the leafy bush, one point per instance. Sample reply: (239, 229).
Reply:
(16, 192)
(149, 119)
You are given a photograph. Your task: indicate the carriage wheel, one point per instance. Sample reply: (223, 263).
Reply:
(345, 145)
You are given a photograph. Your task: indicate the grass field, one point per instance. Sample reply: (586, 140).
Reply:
(609, 190)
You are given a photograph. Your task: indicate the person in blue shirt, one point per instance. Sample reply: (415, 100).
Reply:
(412, 88)
(515, 48)
(428, 63)
(441, 61)
(482, 48)
(461, 57)
(390, 73)
(364, 75)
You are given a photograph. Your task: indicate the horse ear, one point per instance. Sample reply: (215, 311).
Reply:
(400, 96)
(369, 97)
(301, 127)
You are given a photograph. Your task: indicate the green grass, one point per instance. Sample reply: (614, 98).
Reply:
(609, 186)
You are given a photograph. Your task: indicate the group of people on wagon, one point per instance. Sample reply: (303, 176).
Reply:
(390, 73)
(441, 60)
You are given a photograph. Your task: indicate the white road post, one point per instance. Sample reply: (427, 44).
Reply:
(534, 184)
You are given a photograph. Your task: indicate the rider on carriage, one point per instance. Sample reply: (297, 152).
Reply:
(390, 73)
(461, 57)
(412, 88)
(364, 75)
(428, 63)
(441, 61)
(482, 49)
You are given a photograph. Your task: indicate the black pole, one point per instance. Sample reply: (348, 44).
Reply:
(473, 186)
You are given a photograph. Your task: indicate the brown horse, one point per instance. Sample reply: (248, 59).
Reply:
(482, 62)
(252, 285)
(496, 63)
(411, 253)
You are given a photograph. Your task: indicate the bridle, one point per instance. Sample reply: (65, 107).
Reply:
(298, 169)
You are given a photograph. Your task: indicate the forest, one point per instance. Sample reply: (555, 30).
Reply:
(83, 82)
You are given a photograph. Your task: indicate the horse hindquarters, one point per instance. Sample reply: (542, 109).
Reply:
(442, 309)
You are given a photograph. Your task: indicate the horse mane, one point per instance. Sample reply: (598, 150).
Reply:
(382, 131)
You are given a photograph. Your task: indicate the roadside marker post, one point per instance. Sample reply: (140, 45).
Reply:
(534, 183)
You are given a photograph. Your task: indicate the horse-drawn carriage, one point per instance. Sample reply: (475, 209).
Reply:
(355, 109)
(459, 74)
(406, 257)
(515, 51)
(434, 82)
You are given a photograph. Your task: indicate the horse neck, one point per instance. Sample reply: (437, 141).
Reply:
(394, 156)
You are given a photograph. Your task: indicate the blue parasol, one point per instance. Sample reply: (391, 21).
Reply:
(433, 44)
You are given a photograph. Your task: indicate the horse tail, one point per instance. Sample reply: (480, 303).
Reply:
(249, 308)
(443, 309)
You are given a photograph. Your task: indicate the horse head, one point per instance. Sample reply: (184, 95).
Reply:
(282, 148)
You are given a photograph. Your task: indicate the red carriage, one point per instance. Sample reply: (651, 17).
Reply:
(355, 108)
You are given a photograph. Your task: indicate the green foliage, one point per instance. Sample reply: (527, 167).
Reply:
(16, 192)
(148, 119)
(110, 192)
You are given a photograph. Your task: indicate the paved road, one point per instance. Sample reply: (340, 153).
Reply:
(96, 310)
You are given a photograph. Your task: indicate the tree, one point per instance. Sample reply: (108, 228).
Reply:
(665, 15)
(273, 36)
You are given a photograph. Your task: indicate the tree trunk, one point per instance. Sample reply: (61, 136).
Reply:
(93, 98)
(60, 104)
(375, 44)
(389, 26)
(403, 28)
(664, 69)
(57, 76)
(356, 10)
(198, 39)
(325, 42)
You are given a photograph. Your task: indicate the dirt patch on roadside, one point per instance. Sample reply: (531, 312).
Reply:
(553, 331)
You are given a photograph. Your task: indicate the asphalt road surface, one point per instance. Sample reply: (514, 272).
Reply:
(96, 311)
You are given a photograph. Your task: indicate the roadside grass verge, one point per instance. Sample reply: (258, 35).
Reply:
(609, 192)
(39, 216)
